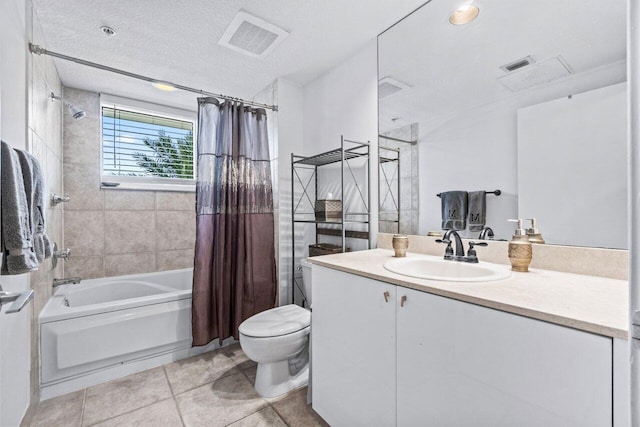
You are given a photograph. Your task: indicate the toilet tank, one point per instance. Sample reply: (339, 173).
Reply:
(306, 278)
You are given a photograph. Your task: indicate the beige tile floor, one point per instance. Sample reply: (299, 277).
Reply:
(213, 389)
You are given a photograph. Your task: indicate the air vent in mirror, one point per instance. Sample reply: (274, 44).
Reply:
(387, 86)
(519, 63)
(537, 74)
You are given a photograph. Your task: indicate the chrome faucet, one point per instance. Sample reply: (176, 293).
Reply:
(70, 280)
(486, 232)
(64, 254)
(471, 256)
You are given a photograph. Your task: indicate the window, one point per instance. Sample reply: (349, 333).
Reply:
(146, 146)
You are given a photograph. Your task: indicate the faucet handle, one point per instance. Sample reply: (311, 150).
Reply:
(56, 198)
(64, 254)
(472, 244)
(472, 255)
(448, 252)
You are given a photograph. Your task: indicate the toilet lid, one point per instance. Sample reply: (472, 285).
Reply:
(277, 321)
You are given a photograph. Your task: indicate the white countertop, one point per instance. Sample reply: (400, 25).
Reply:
(589, 303)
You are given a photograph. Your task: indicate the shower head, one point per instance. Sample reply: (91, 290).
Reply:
(76, 112)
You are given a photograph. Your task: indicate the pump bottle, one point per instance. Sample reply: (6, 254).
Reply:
(520, 251)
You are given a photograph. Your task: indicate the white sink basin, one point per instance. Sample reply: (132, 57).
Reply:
(451, 271)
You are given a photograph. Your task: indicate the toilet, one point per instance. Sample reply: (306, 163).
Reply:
(278, 340)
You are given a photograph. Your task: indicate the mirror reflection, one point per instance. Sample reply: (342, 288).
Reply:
(528, 98)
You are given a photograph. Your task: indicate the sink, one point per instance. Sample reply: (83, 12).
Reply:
(451, 271)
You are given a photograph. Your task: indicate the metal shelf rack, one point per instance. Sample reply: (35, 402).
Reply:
(344, 156)
(389, 186)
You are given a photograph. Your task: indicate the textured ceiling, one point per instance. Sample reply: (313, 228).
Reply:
(177, 41)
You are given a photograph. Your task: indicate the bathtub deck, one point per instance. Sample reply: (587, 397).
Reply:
(214, 388)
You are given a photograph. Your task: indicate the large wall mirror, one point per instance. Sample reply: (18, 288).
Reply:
(529, 98)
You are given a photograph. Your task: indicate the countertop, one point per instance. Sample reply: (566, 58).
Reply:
(588, 303)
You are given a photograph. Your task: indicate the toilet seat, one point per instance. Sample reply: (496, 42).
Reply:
(276, 322)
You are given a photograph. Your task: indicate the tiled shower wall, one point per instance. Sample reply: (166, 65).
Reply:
(115, 232)
(44, 135)
(409, 181)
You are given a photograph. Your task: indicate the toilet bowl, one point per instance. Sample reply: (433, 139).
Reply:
(278, 341)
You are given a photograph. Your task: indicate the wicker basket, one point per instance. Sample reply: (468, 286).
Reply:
(328, 208)
(325, 249)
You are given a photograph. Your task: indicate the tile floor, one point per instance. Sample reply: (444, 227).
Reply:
(213, 389)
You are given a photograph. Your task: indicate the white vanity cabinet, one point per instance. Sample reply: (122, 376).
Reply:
(434, 361)
(460, 364)
(353, 348)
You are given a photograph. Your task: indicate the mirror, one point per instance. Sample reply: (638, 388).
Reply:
(528, 98)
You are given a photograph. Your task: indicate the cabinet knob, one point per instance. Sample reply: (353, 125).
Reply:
(403, 299)
(386, 296)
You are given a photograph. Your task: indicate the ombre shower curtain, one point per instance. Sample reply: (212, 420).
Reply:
(234, 274)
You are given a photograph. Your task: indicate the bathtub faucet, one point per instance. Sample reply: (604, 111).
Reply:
(70, 280)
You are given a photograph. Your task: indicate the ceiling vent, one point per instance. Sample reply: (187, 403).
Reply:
(512, 66)
(387, 86)
(252, 36)
(537, 74)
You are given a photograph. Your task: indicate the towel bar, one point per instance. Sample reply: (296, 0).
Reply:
(496, 192)
(19, 299)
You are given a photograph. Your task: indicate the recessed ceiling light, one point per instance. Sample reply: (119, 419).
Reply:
(464, 15)
(108, 31)
(167, 87)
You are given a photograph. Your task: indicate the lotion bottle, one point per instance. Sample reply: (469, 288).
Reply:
(533, 233)
(520, 251)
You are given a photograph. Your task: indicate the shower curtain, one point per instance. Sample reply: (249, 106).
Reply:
(234, 274)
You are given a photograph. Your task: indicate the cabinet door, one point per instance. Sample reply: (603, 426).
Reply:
(353, 349)
(464, 365)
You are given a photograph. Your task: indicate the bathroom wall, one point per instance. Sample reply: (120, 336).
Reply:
(476, 147)
(15, 351)
(32, 122)
(344, 101)
(45, 143)
(115, 232)
(581, 144)
(290, 136)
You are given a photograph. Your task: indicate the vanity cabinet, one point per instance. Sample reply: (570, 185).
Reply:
(460, 364)
(426, 360)
(353, 349)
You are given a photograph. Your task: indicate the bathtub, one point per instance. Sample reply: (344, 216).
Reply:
(105, 328)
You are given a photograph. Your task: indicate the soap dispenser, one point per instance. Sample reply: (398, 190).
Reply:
(520, 251)
(533, 233)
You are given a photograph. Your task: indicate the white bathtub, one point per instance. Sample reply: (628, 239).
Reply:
(105, 328)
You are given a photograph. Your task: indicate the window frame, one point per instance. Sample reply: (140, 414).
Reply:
(149, 183)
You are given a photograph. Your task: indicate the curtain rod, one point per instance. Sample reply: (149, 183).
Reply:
(37, 50)
(397, 139)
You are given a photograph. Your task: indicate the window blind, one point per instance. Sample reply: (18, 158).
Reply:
(137, 144)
